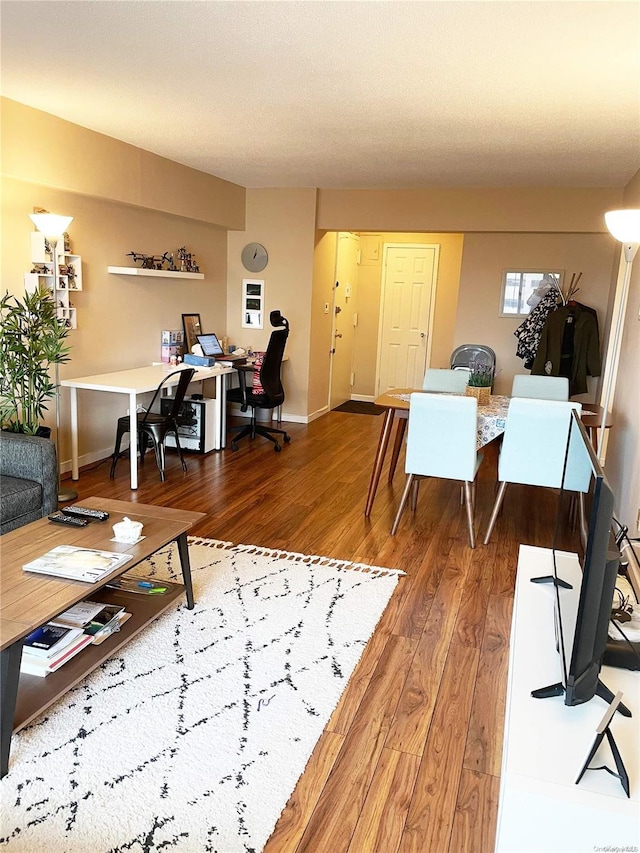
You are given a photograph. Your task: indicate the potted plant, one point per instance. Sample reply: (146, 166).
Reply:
(32, 338)
(480, 382)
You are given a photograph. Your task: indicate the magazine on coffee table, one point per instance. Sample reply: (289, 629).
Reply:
(78, 564)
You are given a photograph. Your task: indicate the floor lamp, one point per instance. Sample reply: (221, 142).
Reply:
(53, 227)
(625, 227)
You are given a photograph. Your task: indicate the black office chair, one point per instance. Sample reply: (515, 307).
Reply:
(154, 427)
(272, 395)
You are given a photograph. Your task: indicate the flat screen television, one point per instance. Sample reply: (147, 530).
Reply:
(587, 502)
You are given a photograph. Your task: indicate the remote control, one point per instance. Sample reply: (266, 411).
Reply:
(60, 518)
(86, 512)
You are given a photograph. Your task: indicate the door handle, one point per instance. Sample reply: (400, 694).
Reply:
(338, 335)
(423, 334)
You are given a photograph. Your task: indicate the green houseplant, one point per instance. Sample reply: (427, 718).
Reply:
(32, 338)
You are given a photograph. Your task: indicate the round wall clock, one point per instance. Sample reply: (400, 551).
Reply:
(254, 257)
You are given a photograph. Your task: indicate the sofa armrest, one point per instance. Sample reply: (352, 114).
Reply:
(31, 458)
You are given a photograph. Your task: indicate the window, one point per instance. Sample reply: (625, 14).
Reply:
(523, 289)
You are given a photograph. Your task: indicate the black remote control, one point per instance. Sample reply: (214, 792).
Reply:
(86, 512)
(61, 518)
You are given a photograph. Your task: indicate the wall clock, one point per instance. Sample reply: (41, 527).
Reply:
(254, 257)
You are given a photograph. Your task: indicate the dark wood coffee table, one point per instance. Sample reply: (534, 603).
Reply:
(29, 600)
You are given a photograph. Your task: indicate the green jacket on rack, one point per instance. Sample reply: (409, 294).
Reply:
(569, 346)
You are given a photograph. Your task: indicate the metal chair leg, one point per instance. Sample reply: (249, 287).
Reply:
(468, 493)
(403, 501)
(496, 510)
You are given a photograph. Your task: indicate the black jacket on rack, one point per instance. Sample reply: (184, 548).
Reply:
(570, 346)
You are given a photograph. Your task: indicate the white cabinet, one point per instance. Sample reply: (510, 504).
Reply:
(69, 279)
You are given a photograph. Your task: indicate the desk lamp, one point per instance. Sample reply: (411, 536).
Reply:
(625, 227)
(53, 227)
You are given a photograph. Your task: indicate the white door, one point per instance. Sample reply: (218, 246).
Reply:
(344, 307)
(406, 317)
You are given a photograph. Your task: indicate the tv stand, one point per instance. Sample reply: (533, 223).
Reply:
(545, 744)
(601, 690)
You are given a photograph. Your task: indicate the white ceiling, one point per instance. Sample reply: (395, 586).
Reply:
(344, 94)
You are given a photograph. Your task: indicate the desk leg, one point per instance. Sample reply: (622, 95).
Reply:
(183, 551)
(221, 396)
(73, 400)
(9, 676)
(133, 439)
(383, 443)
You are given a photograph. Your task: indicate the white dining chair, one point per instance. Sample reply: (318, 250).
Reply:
(435, 379)
(438, 379)
(540, 387)
(533, 447)
(441, 442)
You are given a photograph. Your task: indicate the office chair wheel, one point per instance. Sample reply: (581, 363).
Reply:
(287, 439)
(277, 447)
(234, 446)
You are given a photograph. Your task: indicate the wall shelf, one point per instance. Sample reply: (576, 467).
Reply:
(154, 273)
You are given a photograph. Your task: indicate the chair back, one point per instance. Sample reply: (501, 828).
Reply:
(441, 440)
(468, 354)
(186, 375)
(271, 368)
(535, 441)
(436, 379)
(540, 387)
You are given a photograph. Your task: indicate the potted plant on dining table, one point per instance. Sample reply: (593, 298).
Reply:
(480, 382)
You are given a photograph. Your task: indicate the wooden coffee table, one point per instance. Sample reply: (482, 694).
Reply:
(30, 600)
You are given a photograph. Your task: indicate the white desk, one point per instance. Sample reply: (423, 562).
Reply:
(142, 380)
(541, 809)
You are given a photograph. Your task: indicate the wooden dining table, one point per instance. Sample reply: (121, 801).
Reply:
(492, 420)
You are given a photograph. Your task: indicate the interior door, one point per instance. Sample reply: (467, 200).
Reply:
(344, 309)
(406, 317)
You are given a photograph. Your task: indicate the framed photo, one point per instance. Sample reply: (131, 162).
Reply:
(192, 327)
(252, 303)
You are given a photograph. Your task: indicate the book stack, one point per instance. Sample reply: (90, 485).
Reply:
(49, 647)
(52, 645)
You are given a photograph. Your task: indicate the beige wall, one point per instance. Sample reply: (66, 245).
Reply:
(122, 200)
(49, 151)
(369, 294)
(623, 451)
(486, 256)
(283, 220)
(119, 318)
(567, 209)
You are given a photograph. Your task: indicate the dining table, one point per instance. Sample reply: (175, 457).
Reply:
(492, 419)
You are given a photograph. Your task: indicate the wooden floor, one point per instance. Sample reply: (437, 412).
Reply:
(410, 760)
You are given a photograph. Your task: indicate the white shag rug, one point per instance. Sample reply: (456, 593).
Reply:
(193, 736)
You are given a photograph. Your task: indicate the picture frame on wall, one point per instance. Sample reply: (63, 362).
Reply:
(252, 303)
(192, 327)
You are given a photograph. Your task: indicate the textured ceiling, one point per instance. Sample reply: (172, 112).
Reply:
(344, 94)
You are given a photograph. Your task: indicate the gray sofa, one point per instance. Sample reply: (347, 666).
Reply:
(28, 479)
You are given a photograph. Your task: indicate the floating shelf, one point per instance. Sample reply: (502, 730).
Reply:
(155, 273)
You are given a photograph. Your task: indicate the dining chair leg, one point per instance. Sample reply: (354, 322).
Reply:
(414, 493)
(496, 510)
(397, 447)
(468, 493)
(403, 500)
